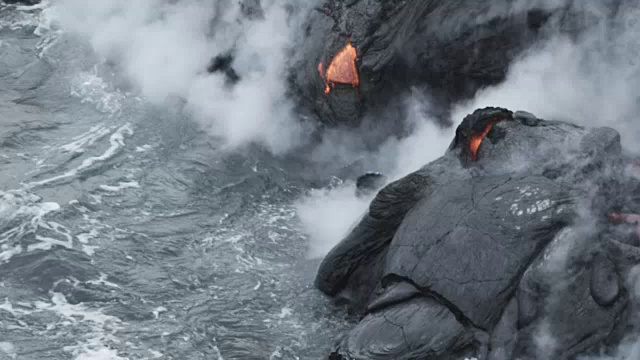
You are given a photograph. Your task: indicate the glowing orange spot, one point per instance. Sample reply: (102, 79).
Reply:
(342, 69)
(476, 139)
(326, 84)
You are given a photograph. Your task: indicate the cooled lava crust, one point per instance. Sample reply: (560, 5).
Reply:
(447, 48)
(525, 228)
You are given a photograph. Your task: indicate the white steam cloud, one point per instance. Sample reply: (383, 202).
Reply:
(327, 215)
(164, 48)
(592, 81)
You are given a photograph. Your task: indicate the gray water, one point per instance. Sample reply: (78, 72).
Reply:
(126, 234)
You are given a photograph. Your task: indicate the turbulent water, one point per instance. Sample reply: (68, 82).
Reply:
(126, 234)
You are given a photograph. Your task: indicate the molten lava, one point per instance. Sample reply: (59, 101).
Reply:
(326, 84)
(341, 70)
(476, 139)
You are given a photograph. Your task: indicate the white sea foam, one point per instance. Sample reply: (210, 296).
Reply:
(121, 186)
(102, 280)
(157, 311)
(98, 328)
(8, 349)
(117, 143)
(144, 148)
(41, 17)
(86, 236)
(327, 214)
(103, 353)
(22, 213)
(88, 138)
(91, 88)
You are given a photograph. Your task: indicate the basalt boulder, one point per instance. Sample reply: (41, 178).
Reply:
(360, 55)
(524, 230)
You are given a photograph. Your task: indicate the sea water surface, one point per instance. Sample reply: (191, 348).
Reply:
(126, 234)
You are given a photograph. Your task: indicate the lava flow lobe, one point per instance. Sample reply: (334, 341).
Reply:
(341, 70)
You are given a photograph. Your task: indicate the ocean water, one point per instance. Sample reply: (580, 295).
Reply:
(126, 234)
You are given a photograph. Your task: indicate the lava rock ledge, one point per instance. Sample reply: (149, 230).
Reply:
(504, 250)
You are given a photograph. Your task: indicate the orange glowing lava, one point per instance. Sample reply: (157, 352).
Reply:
(342, 69)
(326, 84)
(476, 139)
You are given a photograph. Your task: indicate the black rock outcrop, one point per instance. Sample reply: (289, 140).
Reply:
(514, 234)
(451, 48)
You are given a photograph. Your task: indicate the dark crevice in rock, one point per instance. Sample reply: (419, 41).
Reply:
(462, 319)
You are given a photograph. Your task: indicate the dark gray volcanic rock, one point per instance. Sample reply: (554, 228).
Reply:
(471, 241)
(381, 335)
(486, 251)
(576, 299)
(452, 47)
(370, 183)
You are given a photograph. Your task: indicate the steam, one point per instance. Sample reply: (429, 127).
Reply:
(593, 81)
(426, 142)
(328, 214)
(629, 347)
(163, 47)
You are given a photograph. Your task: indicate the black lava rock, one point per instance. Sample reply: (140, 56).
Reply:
(480, 256)
(451, 47)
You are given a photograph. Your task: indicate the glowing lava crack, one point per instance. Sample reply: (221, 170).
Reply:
(341, 70)
(476, 139)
